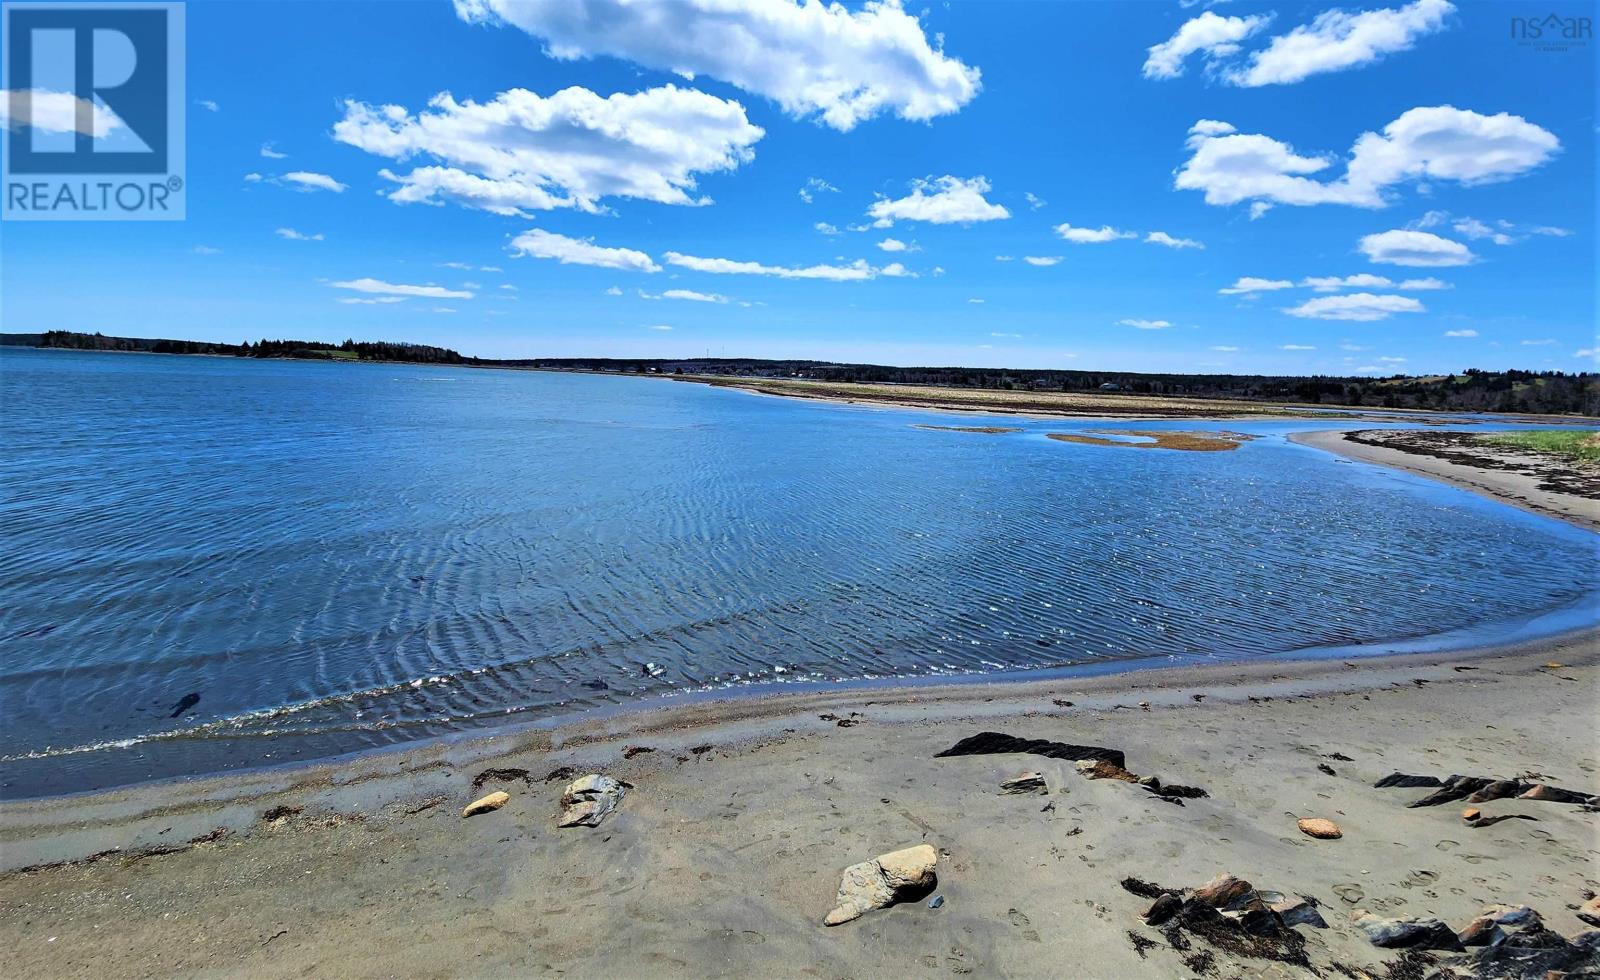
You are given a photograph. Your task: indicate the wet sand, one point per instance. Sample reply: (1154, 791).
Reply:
(1516, 477)
(728, 849)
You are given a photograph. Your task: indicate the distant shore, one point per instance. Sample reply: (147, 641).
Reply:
(742, 814)
(1518, 479)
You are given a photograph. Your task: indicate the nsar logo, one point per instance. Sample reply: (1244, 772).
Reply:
(94, 112)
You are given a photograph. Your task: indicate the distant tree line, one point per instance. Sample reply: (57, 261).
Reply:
(306, 349)
(1473, 390)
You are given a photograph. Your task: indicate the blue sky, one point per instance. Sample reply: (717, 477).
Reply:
(1254, 187)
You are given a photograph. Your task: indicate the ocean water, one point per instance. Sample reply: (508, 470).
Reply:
(214, 563)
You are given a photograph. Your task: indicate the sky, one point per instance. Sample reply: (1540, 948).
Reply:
(1301, 188)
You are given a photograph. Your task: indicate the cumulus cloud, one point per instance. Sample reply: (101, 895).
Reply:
(208, 105)
(818, 61)
(1332, 284)
(1034, 201)
(307, 181)
(540, 244)
(1091, 236)
(1423, 284)
(826, 228)
(1162, 238)
(1337, 40)
(1145, 324)
(1439, 143)
(1461, 333)
(1414, 248)
(1044, 260)
(855, 271)
(896, 245)
(941, 201)
(399, 291)
(522, 152)
(1218, 37)
(693, 296)
(1251, 284)
(297, 236)
(56, 112)
(271, 152)
(1355, 306)
(895, 270)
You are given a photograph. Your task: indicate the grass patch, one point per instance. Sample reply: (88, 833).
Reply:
(1575, 443)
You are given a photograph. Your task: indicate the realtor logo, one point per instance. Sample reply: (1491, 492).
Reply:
(94, 112)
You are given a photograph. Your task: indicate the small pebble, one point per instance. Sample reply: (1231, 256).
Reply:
(936, 902)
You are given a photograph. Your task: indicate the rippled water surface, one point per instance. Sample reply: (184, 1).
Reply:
(334, 557)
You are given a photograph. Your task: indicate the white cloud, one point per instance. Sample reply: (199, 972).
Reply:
(953, 200)
(297, 236)
(1549, 230)
(1218, 37)
(540, 244)
(523, 152)
(1090, 236)
(1162, 238)
(826, 228)
(1440, 143)
(1355, 306)
(1538, 343)
(1251, 284)
(1034, 201)
(1461, 333)
(370, 301)
(1225, 349)
(896, 245)
(1414, 248)
(1007, 336)
(206, 250)
(661, 326)
(854, 272)
(208, 105)
(694, 297)
(1473, 229)
(815, 186)
(975, 300)
(1336, 40)
(271, 153)
(815, 60)
(1297, 347)
(55, 112)
(1392, 360)
(895, 270)
(613, 291)
(1042, 260)
(1332, 284)
(1003, 258)
(444, 309)
(307, 181)
(253, 178)
(509, 287)
(1586, 352)
(1145, 324)
(1416, 285)
(400, 290)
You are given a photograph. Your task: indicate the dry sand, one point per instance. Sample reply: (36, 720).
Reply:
(1521, 478)
(723, 860)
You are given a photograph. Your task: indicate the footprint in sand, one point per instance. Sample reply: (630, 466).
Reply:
(1021, 921)
(1448, 845)
(1351, 893)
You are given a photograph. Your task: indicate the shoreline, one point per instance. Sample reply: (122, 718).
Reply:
(1514, 488)
(753, 846)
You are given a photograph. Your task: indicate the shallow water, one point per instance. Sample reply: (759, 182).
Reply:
(335, 557)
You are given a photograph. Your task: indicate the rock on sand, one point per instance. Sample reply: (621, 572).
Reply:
(883, 881)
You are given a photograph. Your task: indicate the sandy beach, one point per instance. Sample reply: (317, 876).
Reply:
(1539, 484)
(727, 851)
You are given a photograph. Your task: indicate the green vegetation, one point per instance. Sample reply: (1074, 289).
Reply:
(350, 350)
(1576, 443)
